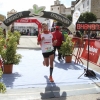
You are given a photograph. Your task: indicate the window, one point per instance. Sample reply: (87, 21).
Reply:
(88, 3)
(58, 8)
(51, 8)
(83, 5)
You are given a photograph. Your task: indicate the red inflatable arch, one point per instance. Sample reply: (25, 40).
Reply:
(27, 20)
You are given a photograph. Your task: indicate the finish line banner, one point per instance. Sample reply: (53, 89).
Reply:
(94, 51)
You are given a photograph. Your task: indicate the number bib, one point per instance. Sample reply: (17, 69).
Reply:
(48, 47)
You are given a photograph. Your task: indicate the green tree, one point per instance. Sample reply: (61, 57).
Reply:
(81, 18)
(87, 17)
(69, 17)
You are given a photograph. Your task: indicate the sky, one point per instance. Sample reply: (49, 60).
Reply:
(24, 5)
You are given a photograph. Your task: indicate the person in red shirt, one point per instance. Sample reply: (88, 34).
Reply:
(46, 39)
(59, 38)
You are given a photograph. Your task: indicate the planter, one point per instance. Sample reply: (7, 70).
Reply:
(68, 59)
(8, 68)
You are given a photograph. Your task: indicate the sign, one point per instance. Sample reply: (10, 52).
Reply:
(88, 26)
(76, 16)
(72, 28)
(37, 10)
(94, 50)
(26, 20)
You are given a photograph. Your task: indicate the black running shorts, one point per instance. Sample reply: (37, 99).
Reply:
(47, 54)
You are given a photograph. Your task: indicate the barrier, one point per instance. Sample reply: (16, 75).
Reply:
(82, 51)
(78, 42)
(94, 51)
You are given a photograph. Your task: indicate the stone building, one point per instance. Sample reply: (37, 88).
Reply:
(60, 8)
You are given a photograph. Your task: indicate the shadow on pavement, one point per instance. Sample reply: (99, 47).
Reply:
(52, 91)
(9, 79)
(66, 66)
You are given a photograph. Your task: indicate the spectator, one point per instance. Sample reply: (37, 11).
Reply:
(78, 34)
(64, 32)
(59, 38)
(93, 35)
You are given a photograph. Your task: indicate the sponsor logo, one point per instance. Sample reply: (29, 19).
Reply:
(92, 49)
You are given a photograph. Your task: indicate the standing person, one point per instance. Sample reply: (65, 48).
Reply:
(59, 38)
(64, 32)
(47, 40)
(27, 33)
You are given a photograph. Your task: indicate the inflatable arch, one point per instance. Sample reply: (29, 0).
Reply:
(23, 20)
(39, 12)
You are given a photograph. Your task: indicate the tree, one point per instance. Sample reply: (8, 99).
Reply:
(87, 17)
(81, 18)
(69, 17)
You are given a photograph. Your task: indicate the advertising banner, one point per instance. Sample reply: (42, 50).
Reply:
(76, 16)
(94, 51)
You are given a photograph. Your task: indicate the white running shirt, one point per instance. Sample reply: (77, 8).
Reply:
(46, 44)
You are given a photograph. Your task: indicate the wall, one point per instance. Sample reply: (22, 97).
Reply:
(56, 9)
(95, 7)
(68, 11)
(83, 6)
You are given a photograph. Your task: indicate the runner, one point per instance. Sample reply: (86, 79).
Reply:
(47, 41)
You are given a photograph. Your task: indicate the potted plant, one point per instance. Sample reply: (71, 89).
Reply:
(67, 48)
(1, 33)
(2, 85)
(15, 33)
(9, 54)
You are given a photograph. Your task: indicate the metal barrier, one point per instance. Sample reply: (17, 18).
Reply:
(82, 53)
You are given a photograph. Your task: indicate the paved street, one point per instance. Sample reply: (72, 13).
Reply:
(22, 87)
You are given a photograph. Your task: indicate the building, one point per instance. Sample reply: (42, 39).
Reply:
(89, 6)
(72, 7)
(60, 8)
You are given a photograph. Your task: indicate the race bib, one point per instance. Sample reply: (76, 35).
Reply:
(48, 47)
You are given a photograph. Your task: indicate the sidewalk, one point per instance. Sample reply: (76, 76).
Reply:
(45, 91)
